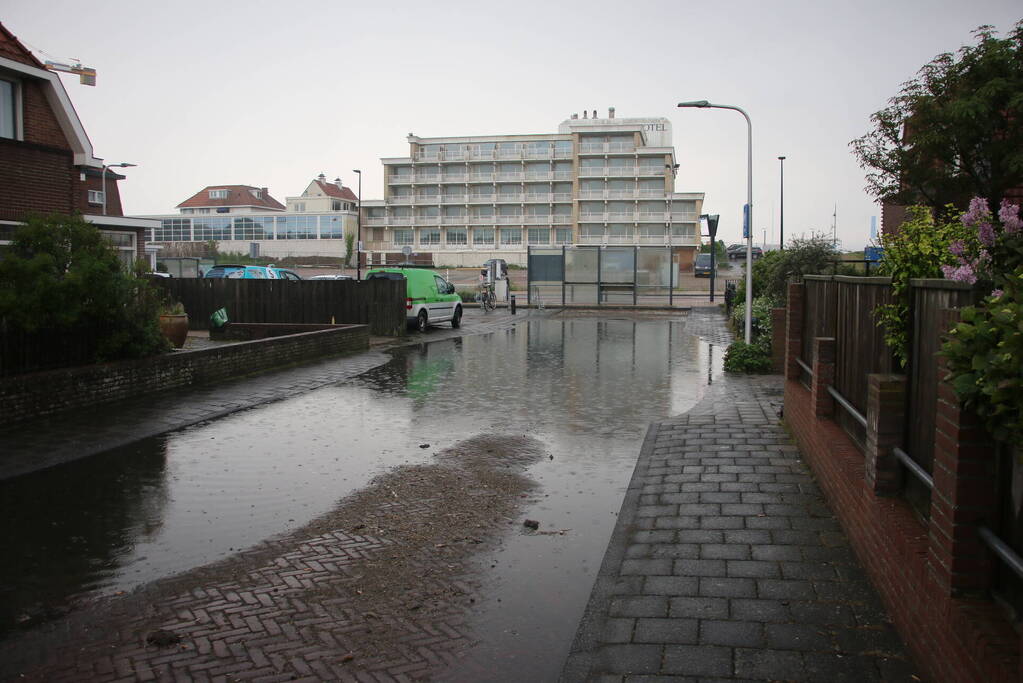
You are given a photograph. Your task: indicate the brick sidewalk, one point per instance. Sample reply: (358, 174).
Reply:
(726, 563)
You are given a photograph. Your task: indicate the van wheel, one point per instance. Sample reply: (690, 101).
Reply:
(456, 319)
(421, 321)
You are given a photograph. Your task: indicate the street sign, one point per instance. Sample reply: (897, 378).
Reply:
(745, 221)
(406, 250)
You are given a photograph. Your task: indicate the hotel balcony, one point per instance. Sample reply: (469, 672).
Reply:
(606, 148)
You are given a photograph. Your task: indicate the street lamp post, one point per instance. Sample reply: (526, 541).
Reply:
(781, 222)
(704, 104)
(358, 230)
(104, 182)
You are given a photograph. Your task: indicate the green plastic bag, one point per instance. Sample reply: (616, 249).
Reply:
(219, 318)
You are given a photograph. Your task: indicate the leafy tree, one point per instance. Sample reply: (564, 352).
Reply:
(60, 275)
(720, 253)
(954, 131)
(349, 248)
(802, 256)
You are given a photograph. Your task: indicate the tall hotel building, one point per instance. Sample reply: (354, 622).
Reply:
(597, 181)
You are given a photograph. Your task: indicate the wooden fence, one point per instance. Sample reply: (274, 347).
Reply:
(377, 303)
(844, 307)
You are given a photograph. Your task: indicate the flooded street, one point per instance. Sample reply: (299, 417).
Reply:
(584, 389)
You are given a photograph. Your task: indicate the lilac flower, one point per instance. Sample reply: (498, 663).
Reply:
(957, 247)
(1009, 216)
(963, 273)
(978, 210)
(986, 234)
(995, 293)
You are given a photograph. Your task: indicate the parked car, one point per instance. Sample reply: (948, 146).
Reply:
(702, 266)
(738, 251)
(429, 298)
(285, 274)
(235, 271)
(331, 277)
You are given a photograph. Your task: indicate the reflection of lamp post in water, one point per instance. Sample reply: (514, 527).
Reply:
(668, 227)
(710, 365)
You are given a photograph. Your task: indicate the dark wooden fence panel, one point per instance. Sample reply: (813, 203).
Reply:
(929, 298)
(859, 344)
(819, 308)
(377, 303)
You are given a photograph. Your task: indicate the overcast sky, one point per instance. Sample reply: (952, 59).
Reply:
(272, 94)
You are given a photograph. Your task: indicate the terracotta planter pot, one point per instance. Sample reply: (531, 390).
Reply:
(175, 328)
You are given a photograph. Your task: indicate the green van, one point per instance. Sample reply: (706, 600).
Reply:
(429, 298)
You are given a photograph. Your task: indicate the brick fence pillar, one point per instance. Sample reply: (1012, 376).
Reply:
(886, 416)
(823, 376)
(794, 330)
(778, 331)
(965, 494)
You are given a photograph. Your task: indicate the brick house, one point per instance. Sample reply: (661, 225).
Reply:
(46, 158)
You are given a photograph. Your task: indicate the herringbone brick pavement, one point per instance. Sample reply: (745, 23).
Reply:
(380, 589)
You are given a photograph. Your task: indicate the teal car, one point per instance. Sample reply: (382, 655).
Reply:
(429, 298)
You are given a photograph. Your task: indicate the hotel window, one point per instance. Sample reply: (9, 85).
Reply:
(457, 236)
(482, 212)
(563, 210)
(505, 191)
(211, 229)
(592, 232)
(402, 237)
(619, 233)
(538, 209)
(591, 163)
(428, 212)
(454, 211)
(512, 210)
(563, 235)
(296, 227)
(483, 236)
(428, 192)
(429, 236)
(260, 228)
(401, 172)
(563, 147)
(330, 228)
(174, 230)
(8, 110)
(511, 236)
(539, 236)
(218, 194)
(96, 197)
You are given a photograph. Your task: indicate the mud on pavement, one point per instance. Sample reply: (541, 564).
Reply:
(385, 583)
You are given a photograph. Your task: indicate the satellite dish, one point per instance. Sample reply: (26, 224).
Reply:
(406, 250)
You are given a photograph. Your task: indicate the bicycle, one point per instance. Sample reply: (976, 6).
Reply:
(486, 299)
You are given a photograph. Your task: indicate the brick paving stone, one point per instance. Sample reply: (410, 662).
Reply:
(778, 594)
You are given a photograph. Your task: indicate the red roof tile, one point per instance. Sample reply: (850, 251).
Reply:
(332, 190)
(12, 48)
(237, 195)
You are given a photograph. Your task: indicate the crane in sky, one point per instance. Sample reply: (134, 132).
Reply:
(86, 74)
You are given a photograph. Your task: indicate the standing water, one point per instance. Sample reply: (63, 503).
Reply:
(585, 388)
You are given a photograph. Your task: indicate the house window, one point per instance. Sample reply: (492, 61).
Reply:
(187, 211)
(8, 110)
(335, 205)
(299, 207)
(95, 197)
(218, 194)
(223, 209)
(202, 211)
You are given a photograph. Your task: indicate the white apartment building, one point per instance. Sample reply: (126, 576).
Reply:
(597, 181)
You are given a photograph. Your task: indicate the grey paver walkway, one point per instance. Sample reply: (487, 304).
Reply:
(726, 563)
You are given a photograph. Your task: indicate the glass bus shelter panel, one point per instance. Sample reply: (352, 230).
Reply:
(618, 264)
(617, 294)
(546, 266)
(581, 294)
(653, 268)
(546, 293)
(581, 265)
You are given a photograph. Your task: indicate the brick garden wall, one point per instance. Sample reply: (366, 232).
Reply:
(45, 393)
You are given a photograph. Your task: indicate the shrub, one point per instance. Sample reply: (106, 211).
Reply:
(60, 275)
(802, 256)
(748, 358)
